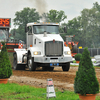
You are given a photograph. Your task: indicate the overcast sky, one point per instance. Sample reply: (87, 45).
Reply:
(72, 8)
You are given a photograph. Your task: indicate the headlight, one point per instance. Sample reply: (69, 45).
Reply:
(67, 52)
(37, 53)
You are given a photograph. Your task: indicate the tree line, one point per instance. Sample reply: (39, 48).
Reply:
(85, 27)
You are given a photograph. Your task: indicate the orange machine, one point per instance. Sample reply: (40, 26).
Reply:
(5, 24)
(71, 44)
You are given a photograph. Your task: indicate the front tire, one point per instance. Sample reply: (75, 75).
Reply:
(31, 64)
(66, 66)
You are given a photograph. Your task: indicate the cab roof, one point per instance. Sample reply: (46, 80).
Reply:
(42, 23)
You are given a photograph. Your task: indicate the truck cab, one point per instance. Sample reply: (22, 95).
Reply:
(45, 48)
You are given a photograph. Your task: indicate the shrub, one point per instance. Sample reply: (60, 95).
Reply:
(5, 66)
(85, 80)
(78, 56)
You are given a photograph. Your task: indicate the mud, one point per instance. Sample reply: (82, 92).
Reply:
(62, 80)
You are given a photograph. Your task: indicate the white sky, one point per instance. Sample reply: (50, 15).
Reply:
(72, 8)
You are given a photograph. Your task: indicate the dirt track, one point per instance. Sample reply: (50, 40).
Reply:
(62, 80)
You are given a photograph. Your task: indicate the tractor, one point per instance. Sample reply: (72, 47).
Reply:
(71, 44)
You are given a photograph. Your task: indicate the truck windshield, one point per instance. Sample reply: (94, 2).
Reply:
(40, 29)
(3, 34)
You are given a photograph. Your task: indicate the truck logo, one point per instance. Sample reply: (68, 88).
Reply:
(53, 40)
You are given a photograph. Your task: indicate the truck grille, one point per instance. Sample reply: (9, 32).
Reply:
(54, 48)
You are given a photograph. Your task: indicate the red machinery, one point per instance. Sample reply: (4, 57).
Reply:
(71, 44)
(5, 24)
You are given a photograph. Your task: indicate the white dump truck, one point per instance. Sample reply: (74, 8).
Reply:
(45, 48)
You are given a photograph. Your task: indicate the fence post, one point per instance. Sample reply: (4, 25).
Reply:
(97, 51)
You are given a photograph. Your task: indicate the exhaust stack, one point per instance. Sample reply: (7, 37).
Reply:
(45, 34)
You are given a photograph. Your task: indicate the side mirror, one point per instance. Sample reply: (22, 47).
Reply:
(26, 29)
(65, 29)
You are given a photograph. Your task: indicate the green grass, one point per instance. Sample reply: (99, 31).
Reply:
(12, 91)
(74, 61)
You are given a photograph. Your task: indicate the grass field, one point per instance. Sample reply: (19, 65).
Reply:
(12, 91)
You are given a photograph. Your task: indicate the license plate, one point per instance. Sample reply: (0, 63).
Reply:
(53, 60)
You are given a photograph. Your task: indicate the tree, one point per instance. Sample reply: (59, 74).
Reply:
(85, 80)
(86, 27)
(23, 17)
(5, 66)
(90, 25)
(56, 16)
(74, 28)
(15, 33)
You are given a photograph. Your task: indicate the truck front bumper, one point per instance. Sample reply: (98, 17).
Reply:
(52, 59)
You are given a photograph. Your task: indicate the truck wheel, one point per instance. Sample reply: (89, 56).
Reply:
(17, 66)
(31, 64)
(50, 68)
(66, 67)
